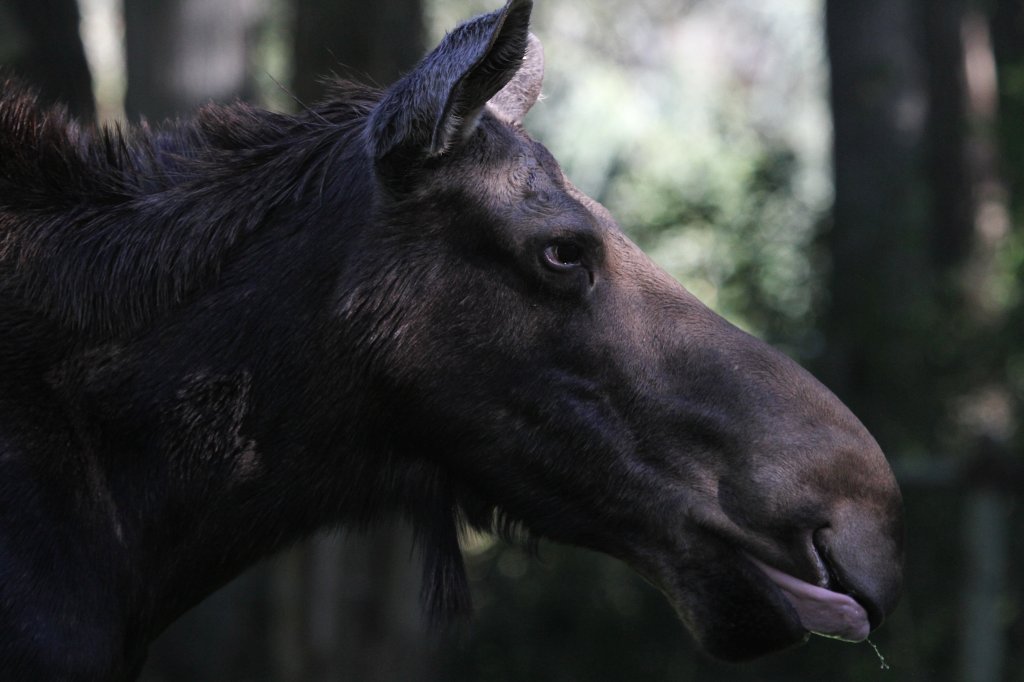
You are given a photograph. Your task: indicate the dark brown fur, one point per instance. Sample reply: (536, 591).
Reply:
(221, 335)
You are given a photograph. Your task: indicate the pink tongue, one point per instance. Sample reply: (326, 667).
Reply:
(821, 611)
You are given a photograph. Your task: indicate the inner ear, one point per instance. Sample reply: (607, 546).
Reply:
(515, 100)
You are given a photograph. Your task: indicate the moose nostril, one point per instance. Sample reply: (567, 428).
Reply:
(832, 577)
(819, 564)
(829, 575)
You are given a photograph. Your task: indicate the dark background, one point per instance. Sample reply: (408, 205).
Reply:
(843, 178)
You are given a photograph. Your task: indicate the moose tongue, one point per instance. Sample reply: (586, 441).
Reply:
(821, 611)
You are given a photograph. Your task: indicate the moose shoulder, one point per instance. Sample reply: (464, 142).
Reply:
(220, 336)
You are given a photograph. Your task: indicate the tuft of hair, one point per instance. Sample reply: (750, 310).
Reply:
(444, 590)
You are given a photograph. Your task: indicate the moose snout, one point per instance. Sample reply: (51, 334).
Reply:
(857, 543)
(809, 497)
(839, 579)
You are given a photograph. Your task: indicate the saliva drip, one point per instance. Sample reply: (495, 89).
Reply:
(881, 658)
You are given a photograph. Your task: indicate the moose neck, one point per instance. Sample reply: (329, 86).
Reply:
(217, 435)
(227, 463)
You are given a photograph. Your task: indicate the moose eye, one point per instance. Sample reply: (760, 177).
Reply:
(563, 255)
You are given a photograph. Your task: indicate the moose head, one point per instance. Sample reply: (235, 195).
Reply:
(226, 334)
(566, 382)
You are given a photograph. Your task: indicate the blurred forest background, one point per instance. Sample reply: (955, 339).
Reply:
(845, 179)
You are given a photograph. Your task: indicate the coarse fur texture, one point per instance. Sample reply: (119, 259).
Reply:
(223, 334)
(88, 191)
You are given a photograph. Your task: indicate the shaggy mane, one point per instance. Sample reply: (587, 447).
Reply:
(101, 229)
(104, 228)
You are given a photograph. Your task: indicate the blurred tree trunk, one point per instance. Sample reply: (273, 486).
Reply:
(184, 53)
(950, 202)
(881, 276)
(1007, 24)
(1007, 29)
(917, 215)
(919, 293)
(374, 42)
(348, 609)
(47, 51)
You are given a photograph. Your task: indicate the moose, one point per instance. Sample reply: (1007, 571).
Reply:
(220, 335)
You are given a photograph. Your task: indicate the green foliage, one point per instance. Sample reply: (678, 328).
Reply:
(702, 127)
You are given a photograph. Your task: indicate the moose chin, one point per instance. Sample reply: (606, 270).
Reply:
(223, 334)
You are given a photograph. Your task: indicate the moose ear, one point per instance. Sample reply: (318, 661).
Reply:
(438, 103)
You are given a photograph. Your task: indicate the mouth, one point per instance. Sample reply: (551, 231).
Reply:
(821, 611)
